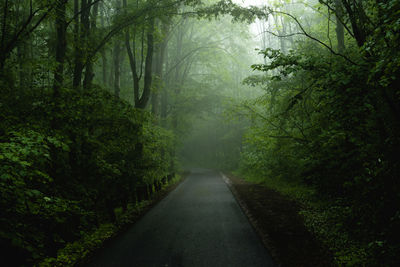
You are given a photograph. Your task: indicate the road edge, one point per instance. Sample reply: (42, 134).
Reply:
(253, 221)
(82, 251)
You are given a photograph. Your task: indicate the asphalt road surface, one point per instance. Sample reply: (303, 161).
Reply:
(197, 224)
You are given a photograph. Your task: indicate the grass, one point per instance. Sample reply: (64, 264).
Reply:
(78, 252)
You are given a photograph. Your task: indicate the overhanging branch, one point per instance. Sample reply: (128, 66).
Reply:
(313, 38)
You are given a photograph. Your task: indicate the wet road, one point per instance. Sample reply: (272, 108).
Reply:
(198, 224)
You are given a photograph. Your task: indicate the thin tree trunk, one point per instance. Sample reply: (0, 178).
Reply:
(356, 20)
(117, 57)
(23, 70)
(339, 25)
(89, 66)
(61, 44)
(104, 63)
(164, 94)
(154, 93)
(111, 72)
(81, 40)
(144, 99)
(77, 48)
(282, 33)
(103, 51)
(159, 73)
(117, 68)
(132, 60)
(178, 56)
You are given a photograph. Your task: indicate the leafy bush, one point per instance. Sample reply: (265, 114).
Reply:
(66, 165)
(331, 123)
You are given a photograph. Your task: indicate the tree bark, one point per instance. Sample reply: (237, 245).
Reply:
(144, 99)
(177, 85)
(103, 51)
(164, 94)
(339, 25)
(155, 97)
(61, 44)
(87, 82)
(117, 68)
(81, 33)
(155, 92)
(76, 81)
(132, 60)
(117, 58)
(356, 20)
(24, 72)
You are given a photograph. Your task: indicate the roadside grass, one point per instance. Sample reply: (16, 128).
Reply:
(78, 252)
(322, 218)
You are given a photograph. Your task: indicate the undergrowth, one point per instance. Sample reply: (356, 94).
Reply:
(79, 251)
(322, 218)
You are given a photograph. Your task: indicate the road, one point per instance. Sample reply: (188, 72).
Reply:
(197, 224)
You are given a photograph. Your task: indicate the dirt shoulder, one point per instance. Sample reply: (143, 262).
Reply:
(276, 219)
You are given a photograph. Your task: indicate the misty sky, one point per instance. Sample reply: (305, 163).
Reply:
(251, 2)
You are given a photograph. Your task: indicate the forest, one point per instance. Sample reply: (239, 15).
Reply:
(104, 102)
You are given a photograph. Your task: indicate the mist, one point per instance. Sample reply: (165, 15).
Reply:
(106, 106)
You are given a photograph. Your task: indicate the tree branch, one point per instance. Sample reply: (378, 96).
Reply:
(340, 19)
(287, 134)
(313, 38)
(82, 10)
(148, 8)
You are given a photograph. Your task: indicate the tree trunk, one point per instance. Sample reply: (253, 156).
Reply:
(339, 25)
(132, 61)
(87, 82)
(61, 44)
(282, 33)
(155, 97)
(144, 99)
(356, 17)
(103, 51)
(155, 93)
(164, 94)
(177, 85)
(117, 68)
(104, 63)
(117, 58)
(111, 72)
(80, 39)
(24, 72)
(77, 48)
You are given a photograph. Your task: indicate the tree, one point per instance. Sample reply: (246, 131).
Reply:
(60, 47)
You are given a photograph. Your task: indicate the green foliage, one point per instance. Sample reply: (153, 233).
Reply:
(29, 204)
(238, 13)
(66, 170)
(80, 250)
(73, 252)
(331, 124)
